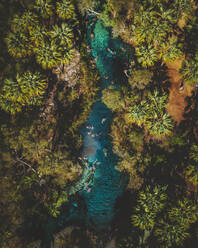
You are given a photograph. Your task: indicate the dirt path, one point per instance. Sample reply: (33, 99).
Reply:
(177, 102)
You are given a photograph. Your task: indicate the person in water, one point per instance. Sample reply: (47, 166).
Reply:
(86, 187)
(109, 50)
(105, 151)
(126, 73)
(103, 120)
(91, 168)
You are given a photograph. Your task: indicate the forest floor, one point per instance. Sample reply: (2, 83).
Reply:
(177, 102)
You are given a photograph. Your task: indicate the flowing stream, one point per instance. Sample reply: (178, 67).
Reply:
(101, 184)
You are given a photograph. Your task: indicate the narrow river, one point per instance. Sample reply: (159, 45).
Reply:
(100, 185)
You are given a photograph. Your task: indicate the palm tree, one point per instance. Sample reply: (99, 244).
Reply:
(194, 153)
(8, 106)
(192, 174)
(183, 6)
(33, 84)
(37, 34)
(25, 90)
(189, 70)
(147, 55)
(65, 10)
(63, 35)
(18, 44)
(152, 113)
(67, 55)
(170, 234)
(185, 213)
(162, 125)
(171, 50)
(167, 15)
(137, 114)
(44, 8)
(48, 54)
(192, 170)
(150, 204)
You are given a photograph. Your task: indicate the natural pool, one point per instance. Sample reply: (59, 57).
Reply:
(94, 207)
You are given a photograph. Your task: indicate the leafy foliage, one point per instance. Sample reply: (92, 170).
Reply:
(113, 98)
(171, 234)
(189, 70)
(152, 113)
(44, 8)
(66, 10)
(27, 89)
(150, 203)
(140, 78)
(147, 55)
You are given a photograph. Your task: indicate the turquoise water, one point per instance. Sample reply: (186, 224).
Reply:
(96, 209)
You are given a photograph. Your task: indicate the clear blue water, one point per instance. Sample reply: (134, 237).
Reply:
(96, 209)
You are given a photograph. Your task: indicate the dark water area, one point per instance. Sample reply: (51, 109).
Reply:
(93, 199)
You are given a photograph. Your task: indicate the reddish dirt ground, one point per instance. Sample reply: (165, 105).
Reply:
(177, 101)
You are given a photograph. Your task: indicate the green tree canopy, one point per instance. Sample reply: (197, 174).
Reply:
(170, 234)
(140, 78)
(147, 55)
(65, 9)
(184, 214)
(44, 8)
(170, 50)
(150, 203)
(189, 70)
(48, 54)
(152, 113)
(27, 89)
(113, 99)
(18, 44)
(63, 34)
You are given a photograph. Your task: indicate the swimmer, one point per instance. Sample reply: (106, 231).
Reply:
(105, 151)
(98, 134)
(89, 133)
(103, 120)
(92, 35)
(125, 72)
(86, 187)
(123, 49)
(93, 135)
(106, 77)
(91, 168)
(108, 49)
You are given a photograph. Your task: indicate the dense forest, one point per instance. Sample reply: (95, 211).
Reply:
(49, 81)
